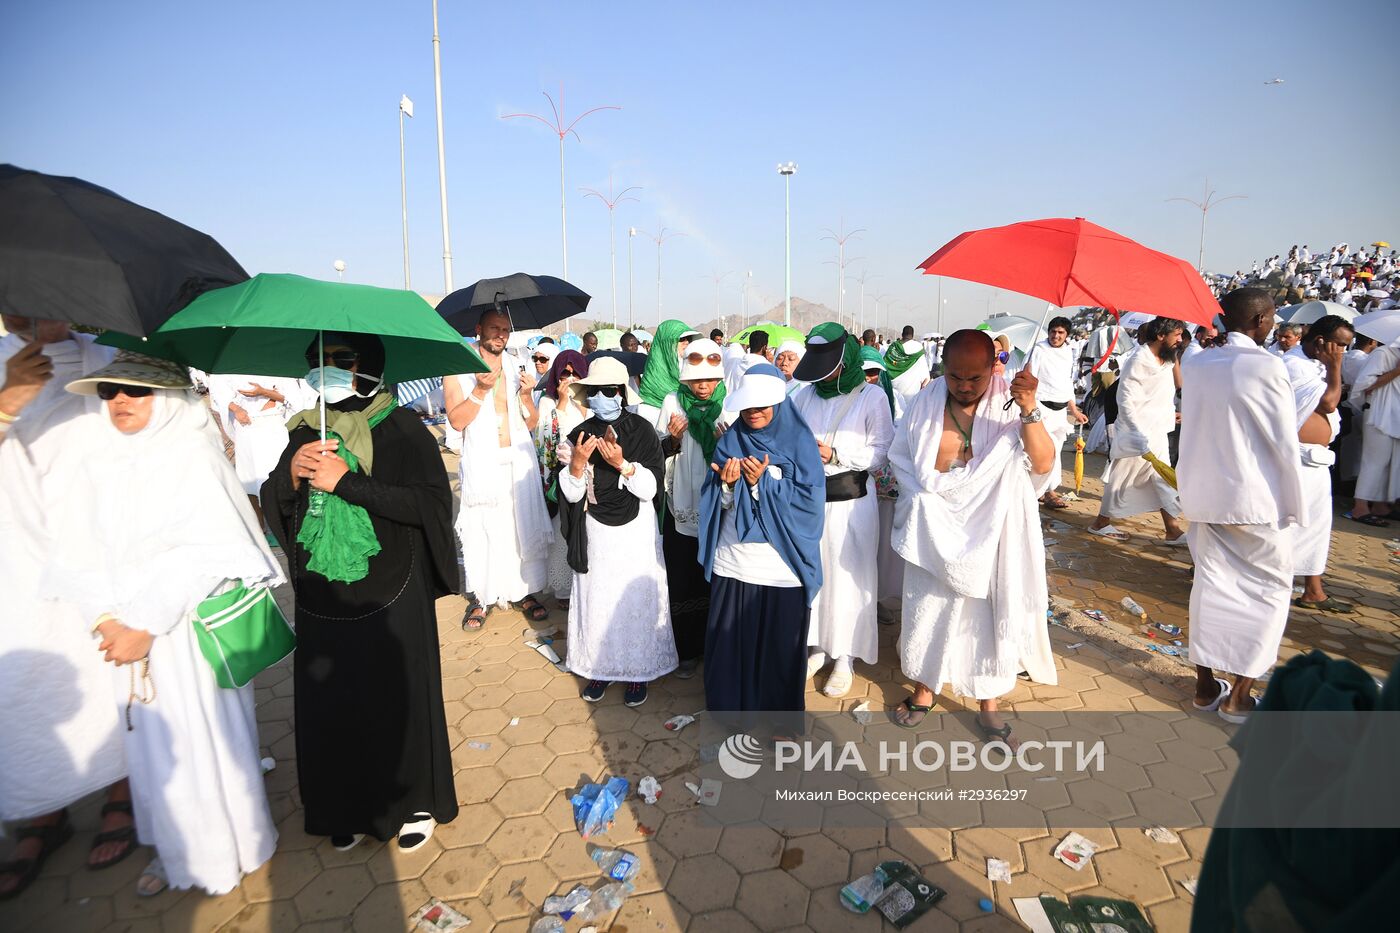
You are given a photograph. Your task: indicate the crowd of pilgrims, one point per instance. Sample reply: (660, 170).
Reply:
(743, 513)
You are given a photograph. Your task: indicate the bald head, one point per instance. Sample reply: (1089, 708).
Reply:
(969, 348)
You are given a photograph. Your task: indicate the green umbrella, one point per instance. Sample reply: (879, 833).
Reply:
(777, 334)
(263, 326)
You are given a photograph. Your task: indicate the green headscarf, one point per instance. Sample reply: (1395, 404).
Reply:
(852, 377)
(897, 362)
(700, 416)
(870, 353)
(339, 536)
(662, 375)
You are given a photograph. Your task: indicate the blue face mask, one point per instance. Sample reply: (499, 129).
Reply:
(338, 385)
(607, 409)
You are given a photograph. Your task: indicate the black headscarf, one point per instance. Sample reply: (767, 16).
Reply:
(615, 505)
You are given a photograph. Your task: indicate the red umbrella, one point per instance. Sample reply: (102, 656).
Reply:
(1074, 262)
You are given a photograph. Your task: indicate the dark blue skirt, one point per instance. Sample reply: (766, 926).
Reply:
(756, 647)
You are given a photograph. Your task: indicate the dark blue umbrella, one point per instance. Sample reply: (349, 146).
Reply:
(532, 301)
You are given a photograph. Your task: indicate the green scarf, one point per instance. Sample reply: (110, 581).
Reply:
(870, 353)
(897, 362)
(851, 376)
(700, 416)
(339, 536)
(662, 375)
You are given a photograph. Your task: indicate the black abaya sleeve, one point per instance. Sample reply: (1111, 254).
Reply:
(279, 499)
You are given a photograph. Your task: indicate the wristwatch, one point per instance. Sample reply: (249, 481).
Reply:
(1032, 418)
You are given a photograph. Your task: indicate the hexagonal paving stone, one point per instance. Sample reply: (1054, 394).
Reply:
(460, 873)
(281, 877)
(478, 785)
(483, 722)
(518, 890)
(524, 796)
(656, 867)
(772, 899)
(703, 883)
(387, 907)
(521, 839)
(691, 832)
(750, 848)
(261, 918)
(815, 861)
(1134, 877)
(650, 912)
(722, 921)
(390, 865)
(572, 737)
(333, 893)
(525, 760)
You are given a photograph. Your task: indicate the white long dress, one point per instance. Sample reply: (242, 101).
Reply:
(553, 427)
(620, 612)
(858, 426)
(167, 524)
(1146, 416)
(59, 735)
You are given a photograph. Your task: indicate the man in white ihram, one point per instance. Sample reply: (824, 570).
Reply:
(1146, 416)
(1241, 492)
(966, 524)
(503, 523)
(1052, 364)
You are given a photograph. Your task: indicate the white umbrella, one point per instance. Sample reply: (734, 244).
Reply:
(641, 335)
(1310, 311)
(1379, 325)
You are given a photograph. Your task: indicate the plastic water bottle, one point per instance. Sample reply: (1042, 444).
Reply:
(605, 900)
(548, 925)
(617, 864)
(316, 502)
(569, 902)
(860, 895)
(1131, 605)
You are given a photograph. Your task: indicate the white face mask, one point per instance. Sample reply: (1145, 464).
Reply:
(339, 383)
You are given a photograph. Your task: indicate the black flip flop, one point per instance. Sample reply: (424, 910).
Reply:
(472, 616)
(909, 704)
(534, 609)
(126, 834)
(53, 836)
(1375, 521)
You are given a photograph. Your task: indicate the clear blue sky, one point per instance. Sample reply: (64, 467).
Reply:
(272, 125)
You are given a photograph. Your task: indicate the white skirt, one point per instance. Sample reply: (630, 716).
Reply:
(1240, 596)
(843, 612)
(1312, 537)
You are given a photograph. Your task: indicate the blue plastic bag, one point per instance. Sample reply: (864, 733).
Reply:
(595, 805)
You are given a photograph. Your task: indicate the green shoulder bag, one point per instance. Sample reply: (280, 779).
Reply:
(242, 633)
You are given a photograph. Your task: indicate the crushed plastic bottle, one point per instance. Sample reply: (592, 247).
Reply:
(569, 902)
(860, 895)
(1131, 605)
(549, 924)
(605, 900)
(617, 864)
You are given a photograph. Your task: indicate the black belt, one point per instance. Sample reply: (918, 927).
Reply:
(842, 487)
(1055, 406)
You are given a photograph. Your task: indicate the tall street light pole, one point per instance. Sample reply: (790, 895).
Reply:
(865, 276)
(660, 239)
(442, 156)
(840, 239)
(718, 277)
(560, 129)
(612, 201)
(631, 316)
(405, 109)
(1204, 205)
(787, 170)
(747, 284)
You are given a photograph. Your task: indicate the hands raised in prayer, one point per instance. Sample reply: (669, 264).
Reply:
(676, 427)
(583, 450)
(731, 472)
(612, 452)
(753, 469)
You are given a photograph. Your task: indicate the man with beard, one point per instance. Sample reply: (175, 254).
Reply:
(1052, 363)
(1146, 416)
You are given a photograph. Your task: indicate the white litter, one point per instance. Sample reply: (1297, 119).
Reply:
(437, 917)
(514, 722)
(1190, 885)
(677, 723)
(1075, 851)
(268, 764)
(1161, 834)
(649, 788)
(548, 651)
(997, 870)
(862, 713)
(707, 794)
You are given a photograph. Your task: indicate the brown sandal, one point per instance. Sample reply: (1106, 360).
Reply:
(27, 869)
(124, 834)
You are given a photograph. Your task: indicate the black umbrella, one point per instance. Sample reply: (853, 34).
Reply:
(71, 251)
(533, 301)
(635, 362)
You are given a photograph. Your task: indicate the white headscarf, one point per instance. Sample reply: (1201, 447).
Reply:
(157, 522)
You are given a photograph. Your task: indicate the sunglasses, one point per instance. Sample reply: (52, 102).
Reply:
(568, 374)
(1003, 357)
(695, 359)
(605, 391)
(110, 390)
(540, 359)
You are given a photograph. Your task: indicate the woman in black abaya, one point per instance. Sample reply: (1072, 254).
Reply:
(367, 529)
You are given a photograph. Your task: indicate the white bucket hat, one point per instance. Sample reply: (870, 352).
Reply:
(605, 371)
(760, 386)
(711, 365)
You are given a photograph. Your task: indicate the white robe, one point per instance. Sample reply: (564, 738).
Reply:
(908, 383)
(503, 524)
(975, 592)
(686, 471)
(165, 524)
(1312, 535)
(1238, 476)
(858, 426)
(1054, 367)
(1378, 479)
(258, 445)
(59, 735)
(620, 613)
(1146, 416)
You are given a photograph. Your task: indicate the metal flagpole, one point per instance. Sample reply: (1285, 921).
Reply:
(405, 107)
(442, 156)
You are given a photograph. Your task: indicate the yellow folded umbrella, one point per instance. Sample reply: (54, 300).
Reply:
(1164, 470)
(1078, 460)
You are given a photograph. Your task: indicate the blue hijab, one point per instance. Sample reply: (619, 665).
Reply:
(789, 513)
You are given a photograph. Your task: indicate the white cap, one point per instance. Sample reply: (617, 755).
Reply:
(791, 346)
(703, 369)
(759, 387)
(868, 365)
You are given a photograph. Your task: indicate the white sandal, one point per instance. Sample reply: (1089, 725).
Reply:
(838, 684)
(355, 840)
(421, 827)
(153, 880)
(815, 662)
(1107, 531)
(1214, 705)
